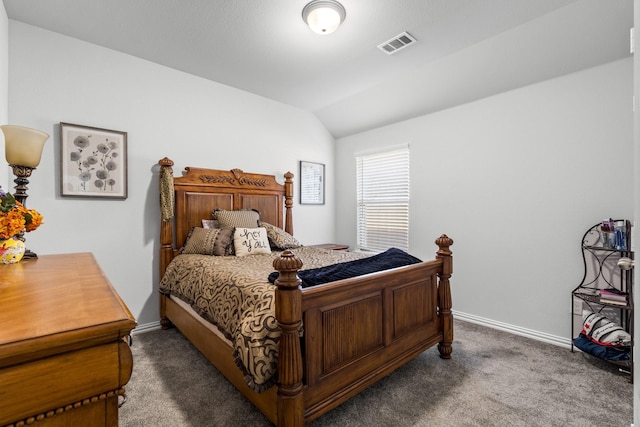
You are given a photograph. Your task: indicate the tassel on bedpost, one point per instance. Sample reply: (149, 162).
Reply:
(444, 295)
(166, 208)
(289, 316)
(166, 224)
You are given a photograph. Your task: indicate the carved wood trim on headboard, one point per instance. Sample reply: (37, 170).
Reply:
(228, 179)
(238, 177)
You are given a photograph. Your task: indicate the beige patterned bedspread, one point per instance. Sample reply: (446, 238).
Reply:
(234, 294)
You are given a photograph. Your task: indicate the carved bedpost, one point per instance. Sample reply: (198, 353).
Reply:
(288, 202)
(166, 225)
(444, 295)
(289, 316)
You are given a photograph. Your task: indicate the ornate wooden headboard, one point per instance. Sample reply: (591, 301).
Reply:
(199, 191)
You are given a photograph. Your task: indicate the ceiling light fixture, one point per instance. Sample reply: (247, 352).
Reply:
(323, 16)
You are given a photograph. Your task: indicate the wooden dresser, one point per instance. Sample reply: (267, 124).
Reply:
(64, 359)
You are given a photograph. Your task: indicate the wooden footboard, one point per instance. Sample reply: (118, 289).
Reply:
(356, 331)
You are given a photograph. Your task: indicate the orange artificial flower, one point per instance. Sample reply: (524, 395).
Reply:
(15, 218)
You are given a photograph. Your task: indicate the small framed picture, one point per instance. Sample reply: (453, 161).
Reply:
(93, 162)
(311, 183)
(209, 223)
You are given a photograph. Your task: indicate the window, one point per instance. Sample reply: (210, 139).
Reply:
(383, 200)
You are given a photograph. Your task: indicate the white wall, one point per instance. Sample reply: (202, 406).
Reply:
(4, 86)
(54, 78)
(515, 180)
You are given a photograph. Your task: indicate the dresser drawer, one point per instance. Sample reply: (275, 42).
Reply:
(55, 382)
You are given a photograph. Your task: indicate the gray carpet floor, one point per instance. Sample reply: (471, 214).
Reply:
(493, 379)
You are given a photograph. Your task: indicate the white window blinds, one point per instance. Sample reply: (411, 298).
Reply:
(383, 200)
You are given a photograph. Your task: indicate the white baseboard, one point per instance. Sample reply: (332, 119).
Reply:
(146, 327)
(517, 330)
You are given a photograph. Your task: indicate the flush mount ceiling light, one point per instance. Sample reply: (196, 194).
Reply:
(323, 16)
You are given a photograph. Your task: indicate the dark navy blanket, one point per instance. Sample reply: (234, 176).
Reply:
(602, 351)
(391, 258)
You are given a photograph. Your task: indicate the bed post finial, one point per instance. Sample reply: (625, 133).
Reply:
(444, 295)
(289, 316)
(288, 202)
(165, 161)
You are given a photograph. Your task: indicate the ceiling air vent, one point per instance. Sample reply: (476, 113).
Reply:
(397, 43)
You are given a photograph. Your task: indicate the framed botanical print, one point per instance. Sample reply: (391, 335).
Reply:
(93, 162)
(311, 183)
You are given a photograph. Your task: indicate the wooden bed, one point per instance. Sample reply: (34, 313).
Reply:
(356, 331)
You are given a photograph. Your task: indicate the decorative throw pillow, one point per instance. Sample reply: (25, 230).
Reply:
(213, 241)
(242, 218)
(280, 239)
(251, 241)
(599, 329)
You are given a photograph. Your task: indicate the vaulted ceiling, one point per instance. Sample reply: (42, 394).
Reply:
(466, 49)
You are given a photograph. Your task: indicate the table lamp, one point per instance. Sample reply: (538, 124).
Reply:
(23, 150)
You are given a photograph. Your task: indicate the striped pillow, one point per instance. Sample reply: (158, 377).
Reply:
(599, 329)
(209, 241)
(242, 218)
